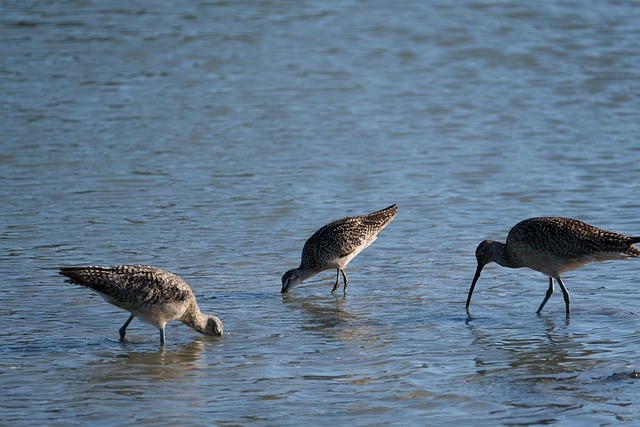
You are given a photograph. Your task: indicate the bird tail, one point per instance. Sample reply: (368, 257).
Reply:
(380, 219)
(84, 276)
(384, 215)
(633, 251)
(73, 273)
(391, 210)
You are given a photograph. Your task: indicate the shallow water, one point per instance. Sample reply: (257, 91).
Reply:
(212, 138)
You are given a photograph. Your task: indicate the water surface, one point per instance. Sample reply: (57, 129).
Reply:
(212, 138)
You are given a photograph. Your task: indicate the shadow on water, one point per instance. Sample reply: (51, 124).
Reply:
(542, 348)
(134, 361)
(335, 317)
(182, 354)
(328, 311)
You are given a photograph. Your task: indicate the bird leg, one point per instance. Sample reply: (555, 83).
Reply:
(123, 329)
(565, 294)
(337, 282)
(548, 295)
(162, 335)
(346, 280)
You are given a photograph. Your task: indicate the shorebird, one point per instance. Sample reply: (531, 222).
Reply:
(337, 243)
(152, 294)
(554, 246)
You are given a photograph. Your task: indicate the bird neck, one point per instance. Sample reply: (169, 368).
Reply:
(194, 318)
(206, 324)
(305, 271)
(501, 255)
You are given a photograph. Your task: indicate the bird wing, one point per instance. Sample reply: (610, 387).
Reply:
(340, 238)
(344, 238)
(132, 285)
(590, 240)
(567, 238)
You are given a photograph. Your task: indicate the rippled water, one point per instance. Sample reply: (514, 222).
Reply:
(212, 138)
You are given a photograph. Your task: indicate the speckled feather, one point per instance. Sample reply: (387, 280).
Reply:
(340, 238)
(567, 239)
(131, 285)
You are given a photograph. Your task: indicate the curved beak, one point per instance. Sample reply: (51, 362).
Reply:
(284, 289)
(473, 283)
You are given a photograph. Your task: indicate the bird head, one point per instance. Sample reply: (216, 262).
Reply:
(484, 252)
(290, 279)
(214, 326)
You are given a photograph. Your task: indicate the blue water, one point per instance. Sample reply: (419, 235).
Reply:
(212, 138)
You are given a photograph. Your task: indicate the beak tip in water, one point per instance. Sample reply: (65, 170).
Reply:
(473, 284)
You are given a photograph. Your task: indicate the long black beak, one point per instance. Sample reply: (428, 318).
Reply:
(473, 284)
(284, 289)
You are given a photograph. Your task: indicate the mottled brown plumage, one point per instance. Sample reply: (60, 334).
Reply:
(152, 294)
(336, 244)
(554, 246)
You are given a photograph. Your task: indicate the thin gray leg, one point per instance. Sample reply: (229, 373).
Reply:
(123, 329)
(565, 294)
(346, 280)
(547, 296)
(162, 336)
(337, 282)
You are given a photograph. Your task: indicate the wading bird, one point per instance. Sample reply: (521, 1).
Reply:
(337, 243)
(154, 295)
(554, 246)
